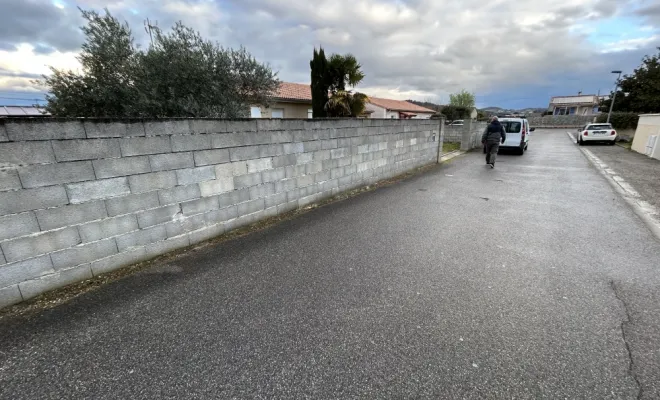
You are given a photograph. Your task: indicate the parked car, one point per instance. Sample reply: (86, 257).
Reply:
(603, 133)
(458, 122)
(517, 134)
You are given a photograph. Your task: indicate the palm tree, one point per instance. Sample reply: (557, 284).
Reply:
(343, 70)
(343, 103)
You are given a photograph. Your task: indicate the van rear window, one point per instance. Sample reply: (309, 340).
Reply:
(511, 126)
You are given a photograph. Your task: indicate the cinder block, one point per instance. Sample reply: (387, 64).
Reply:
(247, 180)
(95, 190)
(116, 261)
(195, 175)
(184, 225)
(53, 218)
(249, 125)
(114, 167)
(330, 164)
(16, 225)
(44, 243)
(25, 153)
(328, 144)
(9, 179)
(101, 129)
(221, 215)
(328, 185)
(208, 157)
(141, 237)
(304, 158)
(271, 150)
(284, 185)
(35, 287)
(167, 127)
(158, 216)
(259, 165)
(88, 149)
(108, 227)
(294, 171)
(83, 254)
(235, 197)
(200, 205)
(168, 245)
(244, 153)
(225, 140)
(138, 146)
(10, 295)
(275, 200)
(251, 206)
(338, 153)
(313, 167)
(284, 161)
(153, 181)
(168, 161)
(25, 270)
(245, 220)
(344, 142)
(208, 125)
(287, 207)
(283, 136)
(178, 194)
(293, 148)
(307, 200)
(132, 203)
(261, 191)
(310, 147)
(13, 202)
(3, 133)
(208, 233)
(231, 169)
(336, 173)
(51, 174)
(322, 176)
(273, 175)
(190, 142)
(293, 195)
(304, 180)
(217, 186)
(321, 155)
(34, 129)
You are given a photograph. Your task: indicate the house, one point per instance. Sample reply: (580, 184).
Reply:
(647, 136)
(291, 100)
(582, 104)
(397, 109)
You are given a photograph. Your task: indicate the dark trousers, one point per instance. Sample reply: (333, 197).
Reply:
(491, 152)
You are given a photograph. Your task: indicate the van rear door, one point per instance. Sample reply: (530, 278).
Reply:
(513, 130)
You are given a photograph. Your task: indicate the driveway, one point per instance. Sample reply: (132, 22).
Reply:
(532, 280)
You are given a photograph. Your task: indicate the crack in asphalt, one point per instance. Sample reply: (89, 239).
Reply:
(624, 323)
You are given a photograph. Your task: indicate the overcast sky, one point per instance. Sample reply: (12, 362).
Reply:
(511, 53)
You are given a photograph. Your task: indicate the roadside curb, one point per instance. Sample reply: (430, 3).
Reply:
(644, 210)
(450, 155)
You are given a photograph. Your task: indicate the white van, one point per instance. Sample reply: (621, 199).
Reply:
(517, 134)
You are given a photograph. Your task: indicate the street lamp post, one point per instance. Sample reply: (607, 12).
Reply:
(616, 89)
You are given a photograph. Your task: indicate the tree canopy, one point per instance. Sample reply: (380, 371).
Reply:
(179, 75)
(640, 91)
(462, 99)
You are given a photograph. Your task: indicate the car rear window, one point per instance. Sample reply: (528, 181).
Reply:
(512, 126)
(599, 127)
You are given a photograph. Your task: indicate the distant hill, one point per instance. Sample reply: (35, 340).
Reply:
(426, 104)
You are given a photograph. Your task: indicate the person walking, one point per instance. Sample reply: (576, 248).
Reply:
(491, 139)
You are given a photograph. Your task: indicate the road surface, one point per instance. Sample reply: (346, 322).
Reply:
(533, 280)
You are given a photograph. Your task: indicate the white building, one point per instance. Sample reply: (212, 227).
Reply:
(583, 104)
(396, 109)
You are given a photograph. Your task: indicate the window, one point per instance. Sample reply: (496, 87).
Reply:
(512, 126)
(310, 113)
(571, 110)
(255, 112)
(277, 113)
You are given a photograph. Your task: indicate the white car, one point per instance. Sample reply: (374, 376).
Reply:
(596, 133)
(458, 122)
(517, 134)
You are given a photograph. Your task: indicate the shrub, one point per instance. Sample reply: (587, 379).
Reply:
(620, 120)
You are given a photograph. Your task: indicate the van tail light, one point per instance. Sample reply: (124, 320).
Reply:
(613, 133)
(585, 133)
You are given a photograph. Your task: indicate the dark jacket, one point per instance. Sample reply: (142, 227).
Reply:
(495, 133)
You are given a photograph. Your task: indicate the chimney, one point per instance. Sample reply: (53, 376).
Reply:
(580, 93)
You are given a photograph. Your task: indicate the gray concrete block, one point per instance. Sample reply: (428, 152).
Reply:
(36, 245)
(25, 153)
(13, 202)
(3, 133)
(24, 270)
(208, 233)
(242, 126)
(222, 215)
(261, 191)
(244, 153)
(116, 261)
(101, 129)
(307, 200)
(328, 144)
(108, 227)
(304, 158)
(275, 200)
(271, 150)
(138, 146)
(52, 174)
(190, 142)
(235, 197)
(322, 176)
(231, 169)
(35, 287)
(88, 149)
(83, 254)
(336, 173)
(344, 142)
(16, 225)
(114, 167)
(153, 181)
(216, 186)
(284, 161)
(96, 190)
(9, 179)
(269, 125)
(294, 171)
(310, 147)
(321, 155)
(141, 237)
(287, 207)
(330, 164)
(313, 167)
(225, 140)
(195, 175)
(158, 216)
(284, 136)
(251, 206)
(273, 175)
(244, 220)
(167, 127)
(185, 225)
(53, 218)
(169, 161)
(293, 148)
(328, 185)
(339, 153)
(131, 203)
(259, 165)
(199, 206)
(284, 185)
(178, 194)
(10, 295)
(209, 157)
(208, 126)
(168, 245)
(293, 195)
(35, 129)
(304, 180)
(248, 180)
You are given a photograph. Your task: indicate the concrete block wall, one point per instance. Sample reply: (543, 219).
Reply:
(80, 198)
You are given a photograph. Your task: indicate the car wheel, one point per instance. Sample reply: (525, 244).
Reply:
(521, 151)
(580, 141)
(612, 142)
(527, 146)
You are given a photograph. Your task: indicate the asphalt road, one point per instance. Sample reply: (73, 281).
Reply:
(533, 280)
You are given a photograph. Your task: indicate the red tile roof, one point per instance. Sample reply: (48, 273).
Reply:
(398, 105)
(294, 91)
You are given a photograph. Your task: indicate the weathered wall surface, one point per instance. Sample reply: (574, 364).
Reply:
(80, 198)
(560, 121)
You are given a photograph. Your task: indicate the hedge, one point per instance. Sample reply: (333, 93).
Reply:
(620, 120)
